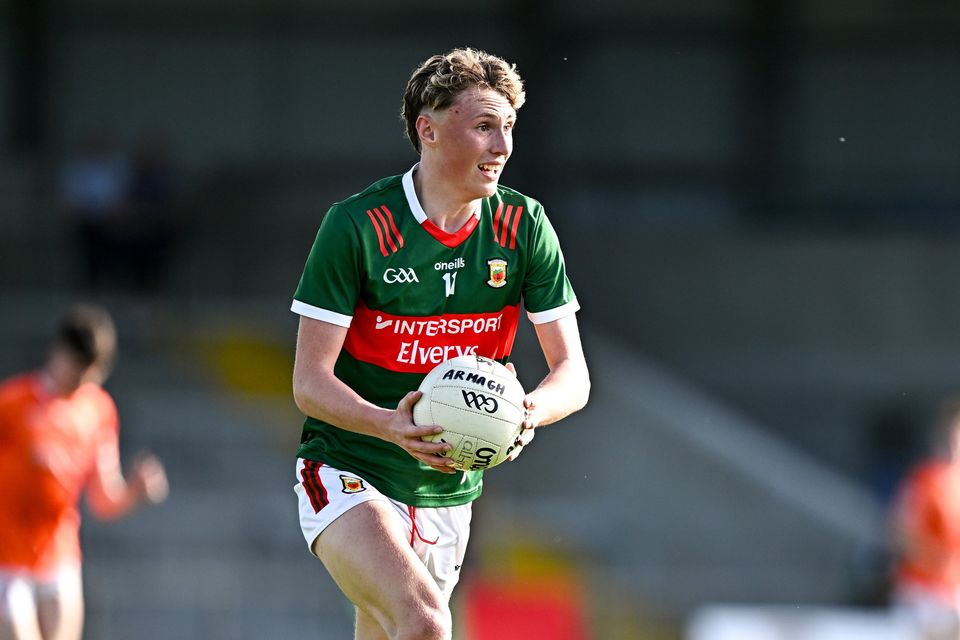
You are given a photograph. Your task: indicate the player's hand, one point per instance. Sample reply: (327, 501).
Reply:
(149, 478)
(526, 427)
(401, 431)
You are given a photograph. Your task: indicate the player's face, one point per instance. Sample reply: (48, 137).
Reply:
(474, 140)
(68, 372)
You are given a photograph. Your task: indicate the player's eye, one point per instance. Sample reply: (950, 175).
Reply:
(483, 127)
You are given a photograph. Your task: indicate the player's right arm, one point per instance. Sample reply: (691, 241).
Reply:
(321, 395)
(110, 494)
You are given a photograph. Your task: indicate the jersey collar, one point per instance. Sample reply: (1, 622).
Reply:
(445, 237)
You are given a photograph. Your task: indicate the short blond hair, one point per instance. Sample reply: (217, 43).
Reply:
(441, 78)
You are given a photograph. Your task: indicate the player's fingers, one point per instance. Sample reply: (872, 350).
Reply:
(154, 467)
(443, 469)
(157, 489)
(152, 482)
(147, 470)
(406, 403)
(424, 446)
(423, 430)
(526, 437)
(529, 409)
(512, 369)
(420, 439)
(438, 463)
(147, 460)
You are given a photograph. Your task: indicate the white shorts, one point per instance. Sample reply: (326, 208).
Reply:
(932, 615)
(21, 590)
(438, 535)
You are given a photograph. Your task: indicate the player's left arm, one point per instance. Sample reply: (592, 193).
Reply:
(566, 387)
(111, 495)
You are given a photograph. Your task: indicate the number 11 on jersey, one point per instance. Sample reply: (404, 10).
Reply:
(451, 279)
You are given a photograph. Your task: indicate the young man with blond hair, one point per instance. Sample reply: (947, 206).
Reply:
(59, 440)
(432, 262)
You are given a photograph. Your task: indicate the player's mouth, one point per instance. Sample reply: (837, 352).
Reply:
(490, 170)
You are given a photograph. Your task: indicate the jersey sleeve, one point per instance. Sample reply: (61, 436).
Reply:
(108, 443)
(330, 284)
(547, 293)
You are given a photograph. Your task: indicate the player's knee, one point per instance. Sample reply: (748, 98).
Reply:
(427, 623)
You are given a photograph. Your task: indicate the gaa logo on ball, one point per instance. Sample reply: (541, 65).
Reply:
(479, 404)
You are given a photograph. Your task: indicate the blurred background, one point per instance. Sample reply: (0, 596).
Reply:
(759, 204)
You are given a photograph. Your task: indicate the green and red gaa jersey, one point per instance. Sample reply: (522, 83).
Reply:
(412, 296)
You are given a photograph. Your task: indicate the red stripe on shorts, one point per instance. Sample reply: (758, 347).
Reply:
(414, 531)
(314, 487)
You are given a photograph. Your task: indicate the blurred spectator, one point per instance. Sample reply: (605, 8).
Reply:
(892, 446)
(59, 440)
(148, 225)
(93, 188)
(123, 211)
(927, 529)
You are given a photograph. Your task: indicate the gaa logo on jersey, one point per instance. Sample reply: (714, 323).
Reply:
(498, 273)
(394, 275)
(352, 485)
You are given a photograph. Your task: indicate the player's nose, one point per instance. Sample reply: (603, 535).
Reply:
(501, 143)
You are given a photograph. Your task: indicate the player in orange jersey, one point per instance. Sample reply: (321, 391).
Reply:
(927, 528)
(58, 440)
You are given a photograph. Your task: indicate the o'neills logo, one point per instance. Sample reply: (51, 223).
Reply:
(416, 344)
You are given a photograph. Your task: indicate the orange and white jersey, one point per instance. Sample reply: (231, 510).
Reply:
(49, 446)
(928, 521)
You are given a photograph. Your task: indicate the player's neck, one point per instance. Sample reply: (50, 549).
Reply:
(52, 386)
(440, 203)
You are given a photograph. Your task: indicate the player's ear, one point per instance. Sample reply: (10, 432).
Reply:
(426, 130)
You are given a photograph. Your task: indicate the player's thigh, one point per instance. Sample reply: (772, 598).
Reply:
(369, 557)
(18, 614)
(18, 628)
(60, 605)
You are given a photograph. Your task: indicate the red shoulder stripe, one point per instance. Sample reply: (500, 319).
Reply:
(393, 225)
(386, 230)
(496, 222)
(506, 226)
(376, 226)
(513, 229)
